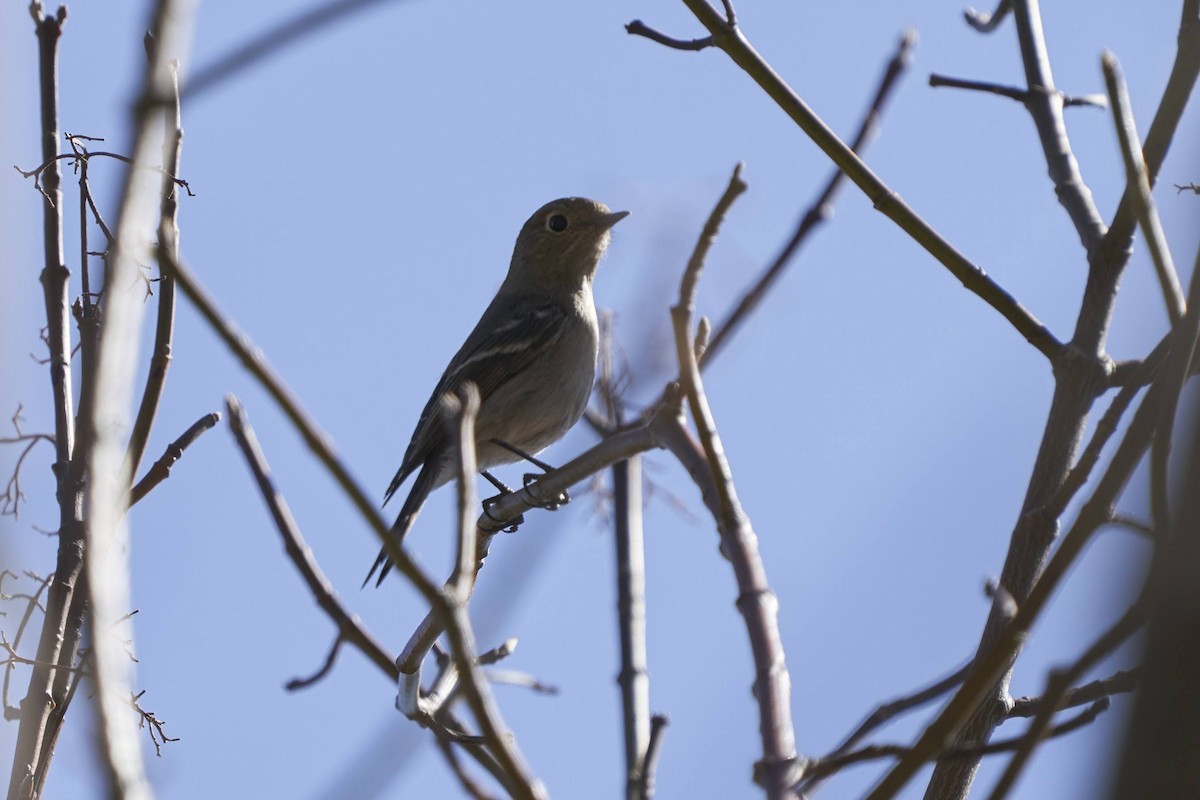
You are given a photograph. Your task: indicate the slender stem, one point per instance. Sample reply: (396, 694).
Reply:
(634, 677)
(756, 602)
(885, 199)
(175, 450)
(821, 209)
(28, 766)
(460, 418)
(350, 629)
(1139, 185)
(164, 329)
(107, 418)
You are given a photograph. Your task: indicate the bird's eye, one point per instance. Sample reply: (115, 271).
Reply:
(557, 223)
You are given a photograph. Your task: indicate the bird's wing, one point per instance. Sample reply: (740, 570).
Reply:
(497, 350)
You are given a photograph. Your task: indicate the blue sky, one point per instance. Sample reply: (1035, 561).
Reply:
(357, 197)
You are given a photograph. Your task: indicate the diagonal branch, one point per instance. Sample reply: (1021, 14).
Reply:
(821, 209)
(885, 199)
(162, 468)
(1138, 181)
(350, 628)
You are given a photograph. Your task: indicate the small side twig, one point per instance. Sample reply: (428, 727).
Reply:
(1022, 96)
(658, 729)
(162, 468)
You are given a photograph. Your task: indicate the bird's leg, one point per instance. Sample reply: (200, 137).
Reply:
(531, 477)
(491, 501)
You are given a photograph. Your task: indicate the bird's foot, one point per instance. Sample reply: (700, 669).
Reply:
(510, 526)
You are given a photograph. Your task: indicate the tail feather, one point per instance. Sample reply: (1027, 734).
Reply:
(421, 488)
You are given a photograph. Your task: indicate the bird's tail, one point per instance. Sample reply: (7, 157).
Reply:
(421, 488)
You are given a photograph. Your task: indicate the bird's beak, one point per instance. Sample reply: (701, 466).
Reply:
(608, 220)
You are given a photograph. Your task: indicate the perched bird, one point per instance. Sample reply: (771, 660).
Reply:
(532, 355)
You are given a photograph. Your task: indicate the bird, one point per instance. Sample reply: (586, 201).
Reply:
(532, 356)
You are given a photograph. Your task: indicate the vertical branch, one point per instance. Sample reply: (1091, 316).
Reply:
(460, 417)
(1077, 382)
(756, 602)
(39, 703)
(633, 678)
(109, 414)
(168, 242)
(1045, 105)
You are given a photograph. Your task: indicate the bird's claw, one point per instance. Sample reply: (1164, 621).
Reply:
(511, 525)
(530, 480)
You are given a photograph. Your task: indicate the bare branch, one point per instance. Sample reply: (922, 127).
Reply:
(28, 766)
(256, 363)
(164, 329)
(1058, 692)
(634, 676)
(822, 207)
(106, 417)
(1022, 96)
(1139, 188)
(996, 659)
(348, 625)
(271, 41)
(162, 468)
(883, 714)
(639, 28)
(1118, 683)
(885, 199)
(756, 602)
(461, 420)
(958, 751)
(658, 728)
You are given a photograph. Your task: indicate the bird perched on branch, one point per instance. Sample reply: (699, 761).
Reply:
(532, 355)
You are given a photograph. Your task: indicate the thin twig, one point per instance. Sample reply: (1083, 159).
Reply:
(884, 198)
(461, 420)
(271, 41)
(1022, 96)
(1058, 692)
(1121, 682)
(883, 714)
(164, 329)
(162, 468)
(658, 729)
(634, 677)
(1185, 69)
(822, 207)
(348, 625)
(1139, 187)
(28, 766)
(756, 602)
(958, 751)
(995, 659)
(256, 363)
